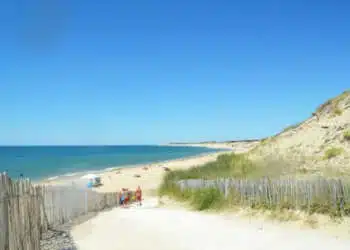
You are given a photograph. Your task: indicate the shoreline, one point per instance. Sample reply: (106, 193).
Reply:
(147, 175)
(77, 177)
(98, 170)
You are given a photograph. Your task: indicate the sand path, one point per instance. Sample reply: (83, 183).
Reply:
(152, 228)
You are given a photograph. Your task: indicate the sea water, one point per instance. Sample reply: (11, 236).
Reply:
(42, 162)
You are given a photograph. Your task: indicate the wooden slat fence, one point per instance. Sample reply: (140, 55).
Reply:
(319, 195)
(28, 211)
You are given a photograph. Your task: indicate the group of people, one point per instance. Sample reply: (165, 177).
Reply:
(125, 196)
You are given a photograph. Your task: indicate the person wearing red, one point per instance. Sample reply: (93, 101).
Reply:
(138, 195)
(127, 197)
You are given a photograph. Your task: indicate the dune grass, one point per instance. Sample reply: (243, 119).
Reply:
(227, 165)
(347, 135)
(337, 111)
(239, 167)
(294, 126)
(334, 103)
(332, 152)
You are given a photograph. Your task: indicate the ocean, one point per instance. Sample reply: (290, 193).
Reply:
(42, 162)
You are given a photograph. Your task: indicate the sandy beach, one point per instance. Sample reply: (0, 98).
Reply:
(147, 176)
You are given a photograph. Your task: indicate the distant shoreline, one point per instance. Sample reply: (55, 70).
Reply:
(213, 142)
(41, 163)
(237, 146)
(75, 176)
(149, 175)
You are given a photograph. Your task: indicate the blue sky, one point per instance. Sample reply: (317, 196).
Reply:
(144, 72)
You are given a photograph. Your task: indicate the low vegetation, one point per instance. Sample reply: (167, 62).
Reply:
(347, 135)
(337, 111)
(240, 167)
(294, 126)
(268, 140)
(333, 104)
(332, 152)
(227, 165)
(239, 180)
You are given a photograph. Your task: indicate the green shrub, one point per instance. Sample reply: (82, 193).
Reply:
(207, 198)
(332, 152)
(170, 188)
(264, 141)
(337, 111)
(347, 135)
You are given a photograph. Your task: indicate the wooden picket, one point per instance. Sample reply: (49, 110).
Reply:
(313, 195)
(27, 211)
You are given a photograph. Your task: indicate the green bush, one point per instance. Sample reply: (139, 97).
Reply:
(337, 111)
(207, 198)
(332, 152)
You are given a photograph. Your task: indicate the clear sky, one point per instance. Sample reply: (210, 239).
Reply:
(144, 72)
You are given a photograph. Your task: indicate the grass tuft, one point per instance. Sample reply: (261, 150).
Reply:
(207, 198)
(337, 111)
(347, 135)
(332, 152)
(334, 103)
(291, 127)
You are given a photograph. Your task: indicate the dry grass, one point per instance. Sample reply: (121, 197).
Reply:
(332, 152)
(311, 221)
(347, 135)
(333, 104)
(284, 215)
(337, 111)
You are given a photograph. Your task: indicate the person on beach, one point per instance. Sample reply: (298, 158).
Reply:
(122, 199)
(138, 195)
(127, 198)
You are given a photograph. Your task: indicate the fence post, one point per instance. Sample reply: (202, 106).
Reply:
(86, 202)
(227, 184)
(4, 220)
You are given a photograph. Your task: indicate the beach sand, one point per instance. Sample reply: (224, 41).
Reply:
(147, 176)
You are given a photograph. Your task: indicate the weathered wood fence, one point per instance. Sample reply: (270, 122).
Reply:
(317, 195)
(28, 211)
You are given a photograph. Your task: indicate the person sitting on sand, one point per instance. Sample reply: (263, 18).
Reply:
(138, 195)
